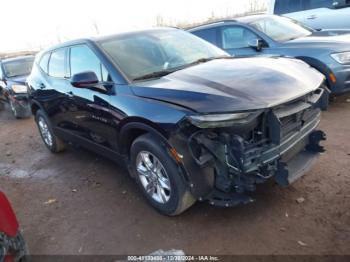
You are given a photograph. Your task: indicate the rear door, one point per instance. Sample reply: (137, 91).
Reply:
(53, 89)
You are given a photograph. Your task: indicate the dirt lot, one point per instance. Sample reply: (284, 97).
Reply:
(98, 209)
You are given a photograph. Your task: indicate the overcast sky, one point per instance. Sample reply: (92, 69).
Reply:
(30, 24)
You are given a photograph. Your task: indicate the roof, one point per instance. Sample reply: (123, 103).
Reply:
(243, 19)
(105, 38)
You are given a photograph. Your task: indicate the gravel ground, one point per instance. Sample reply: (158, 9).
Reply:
(79, 203)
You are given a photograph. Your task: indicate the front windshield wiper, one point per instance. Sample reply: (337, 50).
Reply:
(204, 60)
(156, 74)
(165, 72)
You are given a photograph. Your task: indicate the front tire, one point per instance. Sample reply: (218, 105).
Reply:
(52, 142)
(158, 177)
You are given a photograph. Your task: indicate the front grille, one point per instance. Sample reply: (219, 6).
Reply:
(288, 119)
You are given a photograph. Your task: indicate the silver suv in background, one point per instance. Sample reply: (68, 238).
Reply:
(318, 14)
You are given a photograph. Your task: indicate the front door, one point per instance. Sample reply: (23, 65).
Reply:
(91, 115)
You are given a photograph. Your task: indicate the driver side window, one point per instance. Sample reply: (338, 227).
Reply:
(83, 59)
(237, 37)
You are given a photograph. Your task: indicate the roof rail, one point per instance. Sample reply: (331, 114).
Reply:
(212, 22)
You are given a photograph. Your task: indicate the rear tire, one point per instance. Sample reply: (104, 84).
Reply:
(52, 142)
(167, 192)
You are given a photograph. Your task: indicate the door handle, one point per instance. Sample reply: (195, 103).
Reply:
(70, 94)
(41, 86)
(311, 17)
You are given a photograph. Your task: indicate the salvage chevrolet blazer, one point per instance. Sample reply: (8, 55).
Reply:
(189, 121)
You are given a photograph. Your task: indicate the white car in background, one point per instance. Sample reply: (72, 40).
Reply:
(317, 14)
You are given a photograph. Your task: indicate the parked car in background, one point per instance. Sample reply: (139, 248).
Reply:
(13, 74)
(318, 14)
(189, 121)
(327, 51)
(12, 245)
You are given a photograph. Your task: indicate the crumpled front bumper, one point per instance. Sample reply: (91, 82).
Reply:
(226, 168)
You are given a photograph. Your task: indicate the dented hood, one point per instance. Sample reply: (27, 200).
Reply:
(238, 84)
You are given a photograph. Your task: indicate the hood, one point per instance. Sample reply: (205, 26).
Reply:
(237, 84)
(337, 40)
(18, 79)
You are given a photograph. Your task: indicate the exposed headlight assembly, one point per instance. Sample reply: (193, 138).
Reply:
(19, 89)
(341, 58)
(222, 120)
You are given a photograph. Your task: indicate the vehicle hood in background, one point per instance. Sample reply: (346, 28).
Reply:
(237, 84)
(336, 40)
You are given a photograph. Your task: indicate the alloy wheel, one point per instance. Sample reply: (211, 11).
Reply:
(45, 132)
(153, 177)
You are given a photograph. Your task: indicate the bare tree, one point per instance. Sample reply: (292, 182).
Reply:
(96, 27)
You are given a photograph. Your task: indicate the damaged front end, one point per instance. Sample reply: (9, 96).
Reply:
(225, 156)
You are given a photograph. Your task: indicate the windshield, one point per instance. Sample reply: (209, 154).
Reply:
(20, 67)
(281, 29)
(148, 52)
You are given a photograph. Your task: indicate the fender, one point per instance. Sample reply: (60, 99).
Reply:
(33, 104)
(157, 132)
(8, 221)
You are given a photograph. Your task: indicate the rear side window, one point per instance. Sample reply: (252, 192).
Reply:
(236, 37)
(288, 6)
(44, 62)
(57, 63)
(208, 35)
(83, 59)
(313, 4)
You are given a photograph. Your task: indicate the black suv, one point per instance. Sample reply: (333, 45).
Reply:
(13, 74)
(189, 121)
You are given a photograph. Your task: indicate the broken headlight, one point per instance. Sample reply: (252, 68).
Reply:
(222, 120)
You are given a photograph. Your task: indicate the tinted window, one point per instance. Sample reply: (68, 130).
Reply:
(44, 62)
(312, 4)
(83, 59)
(208, 35)
(57, 63)
(288, 6)
(1, 75)
(236, 37)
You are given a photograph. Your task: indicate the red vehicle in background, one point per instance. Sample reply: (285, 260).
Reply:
(12, 245)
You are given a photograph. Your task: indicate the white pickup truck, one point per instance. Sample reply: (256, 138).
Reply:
(317, 14)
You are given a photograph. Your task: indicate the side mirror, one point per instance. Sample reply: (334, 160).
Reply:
(85, 80)
(340, 3)
(256, 44)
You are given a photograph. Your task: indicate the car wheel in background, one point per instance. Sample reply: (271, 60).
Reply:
(52, 142)
(20, 109)
(14, 109)
(157, 174)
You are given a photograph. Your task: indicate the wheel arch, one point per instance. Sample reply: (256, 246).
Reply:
(35, 106)
(136, 127)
